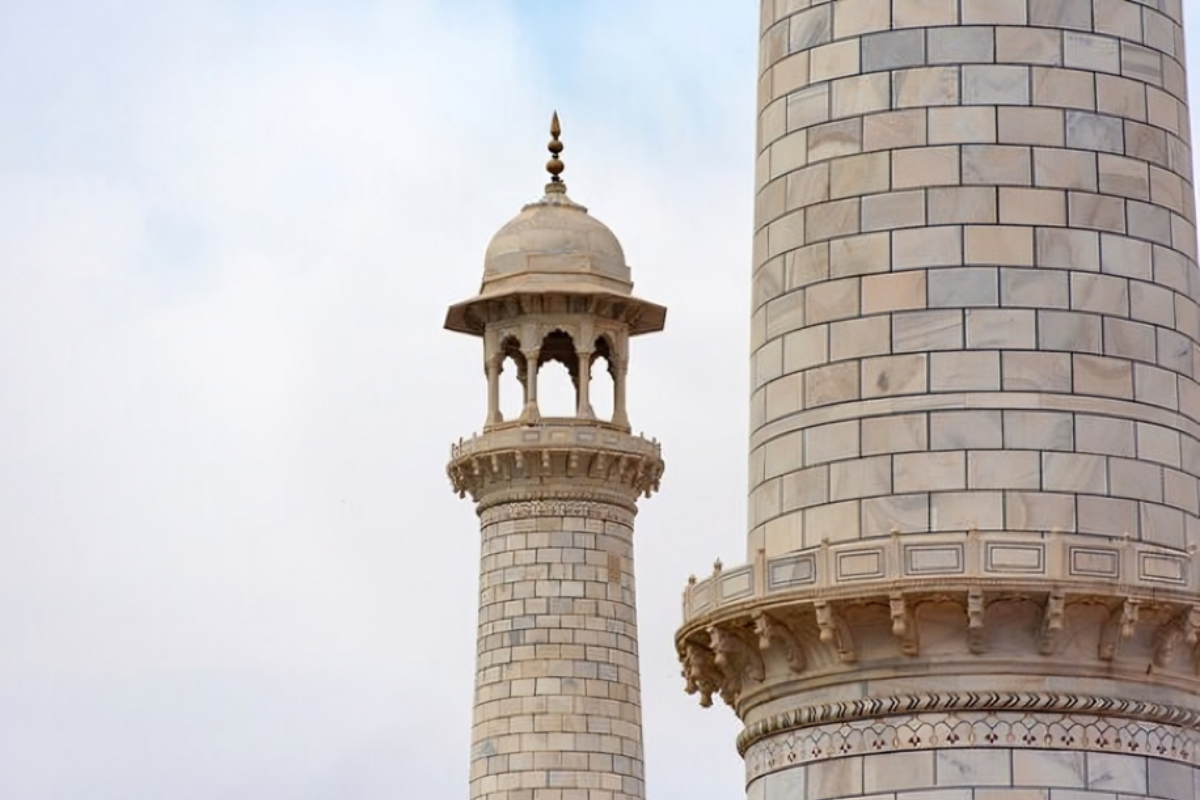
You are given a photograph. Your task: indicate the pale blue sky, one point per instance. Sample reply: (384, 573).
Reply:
(230, 562)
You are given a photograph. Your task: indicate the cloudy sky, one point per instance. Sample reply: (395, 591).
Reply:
(230, 561)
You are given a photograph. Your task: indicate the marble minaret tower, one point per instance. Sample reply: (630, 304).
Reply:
(975, 442)
(557, 707)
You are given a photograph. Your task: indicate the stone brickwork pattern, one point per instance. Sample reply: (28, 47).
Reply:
(975, 332)
(975, 272)
(557, 707)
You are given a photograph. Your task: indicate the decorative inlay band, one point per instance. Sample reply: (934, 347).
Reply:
(526, 509)
(873, 710)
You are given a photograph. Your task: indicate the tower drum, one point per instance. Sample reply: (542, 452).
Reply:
(975, 438)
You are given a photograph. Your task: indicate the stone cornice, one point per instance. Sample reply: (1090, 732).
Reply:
(995, 603)
(603, 303)
(810, 644)
(1005, 604)
(559, 460)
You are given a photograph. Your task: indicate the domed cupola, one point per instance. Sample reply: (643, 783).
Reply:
(555, 288)
(555, 245)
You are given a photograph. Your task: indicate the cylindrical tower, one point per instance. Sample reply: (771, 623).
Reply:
(975, 435)
(557, 707)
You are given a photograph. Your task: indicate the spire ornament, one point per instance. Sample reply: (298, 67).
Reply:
(555, 165)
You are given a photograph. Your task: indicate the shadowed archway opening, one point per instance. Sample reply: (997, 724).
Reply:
(512, 379)
(603, 389)
(558, 376)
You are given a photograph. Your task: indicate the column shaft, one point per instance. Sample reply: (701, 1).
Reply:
(557, 704)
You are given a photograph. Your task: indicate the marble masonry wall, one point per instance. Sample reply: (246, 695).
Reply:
(975, 351)
(975, 281)
(557, 705)
(983, 774)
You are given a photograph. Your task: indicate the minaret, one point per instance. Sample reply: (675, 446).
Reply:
(975, 439)
(557, 709)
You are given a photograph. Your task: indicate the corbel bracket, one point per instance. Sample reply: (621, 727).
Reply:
(904, 624)
(1121, 623)
(738, 658)
(1185, 628)
(835, 631)
(700, 672)
(1053, 619)
(976, 613)
(769, 630)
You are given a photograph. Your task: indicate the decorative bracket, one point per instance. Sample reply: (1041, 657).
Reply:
(737, 657)
(1119, 628)
(1192, 636)
(835, 630)
(770, 629)
(700, 672)
(1185, 628)
(1052, 621)
(976, 611)
(904, 626)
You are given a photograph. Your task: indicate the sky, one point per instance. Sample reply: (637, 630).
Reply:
(231, 564)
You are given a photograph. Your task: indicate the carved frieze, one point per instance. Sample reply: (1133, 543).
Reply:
(1007, 720)
(529, 509)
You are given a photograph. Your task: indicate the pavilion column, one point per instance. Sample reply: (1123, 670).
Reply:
(584, 406)
(493, 368)
(620, 369)
(531, 412)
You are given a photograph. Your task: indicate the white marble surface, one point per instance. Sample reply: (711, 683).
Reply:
(1115, 772)
(835, 778)
(1049, 768)
(786, 785)
(968, 767)
(898, 771)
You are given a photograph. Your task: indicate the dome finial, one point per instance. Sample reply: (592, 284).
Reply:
(555, 165)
